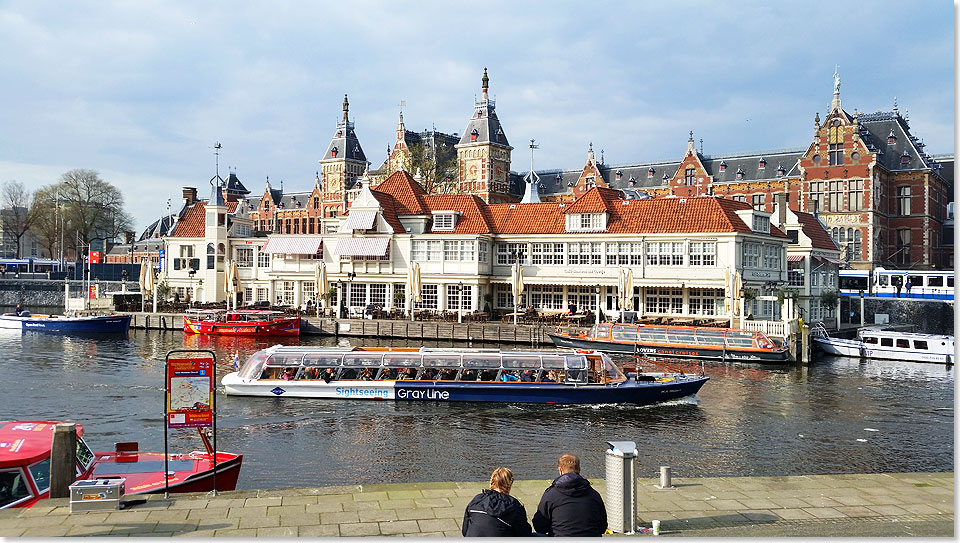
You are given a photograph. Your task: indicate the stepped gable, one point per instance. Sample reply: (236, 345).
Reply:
(408, 194)
(193, 222)
(542, 218)
(471, 219)
(813, 229)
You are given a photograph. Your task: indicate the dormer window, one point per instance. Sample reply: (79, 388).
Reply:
(781, 171)
(339, 133)
(665, 176)
(586, 222)
(499, 134)
(334, 151)
(474, 135)
(650, 172)
(619, 174)
(891, 138)
(763, 163)
(559, 177)
(356, 152)
(761, 224)
(740, 173)
(444, 220)
(905, 158)
(723, 166)
(633, 181)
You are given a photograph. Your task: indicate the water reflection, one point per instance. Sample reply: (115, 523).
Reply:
(838, 415)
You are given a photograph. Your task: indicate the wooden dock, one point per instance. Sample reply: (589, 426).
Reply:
(528, 334)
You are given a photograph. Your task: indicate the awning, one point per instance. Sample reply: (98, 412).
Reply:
(794, 258)
(362, 246)
(299, 245)
(359, 220)
(835, 260)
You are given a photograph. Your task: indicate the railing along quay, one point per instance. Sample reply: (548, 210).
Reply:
(528, 334)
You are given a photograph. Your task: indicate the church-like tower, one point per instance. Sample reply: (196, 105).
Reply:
(483, 154)
(341, 165)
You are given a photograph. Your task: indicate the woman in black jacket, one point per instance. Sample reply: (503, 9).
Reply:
(494, 512)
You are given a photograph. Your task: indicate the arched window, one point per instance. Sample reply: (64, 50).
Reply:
(211, 255)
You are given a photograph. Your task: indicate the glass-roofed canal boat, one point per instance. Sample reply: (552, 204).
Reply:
(436, 374)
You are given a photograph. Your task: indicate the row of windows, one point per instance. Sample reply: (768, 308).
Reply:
(757, 255)
(658, 253)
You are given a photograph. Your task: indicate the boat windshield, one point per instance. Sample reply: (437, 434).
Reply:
(252, 367)
(85, 456)
(13, 487)
(609, 370)
(41, 475)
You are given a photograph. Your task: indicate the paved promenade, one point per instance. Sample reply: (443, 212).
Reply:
(871, 505)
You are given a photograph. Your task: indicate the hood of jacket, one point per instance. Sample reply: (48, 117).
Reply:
(493, 502)
(572, 484)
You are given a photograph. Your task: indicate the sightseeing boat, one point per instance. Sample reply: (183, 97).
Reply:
(692, 342)
(877, 343)
(25, 465)
(240, 322)
(94, 324)
(473, 375)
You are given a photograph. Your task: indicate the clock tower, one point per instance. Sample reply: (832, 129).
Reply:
(483, 154)
(341, 165)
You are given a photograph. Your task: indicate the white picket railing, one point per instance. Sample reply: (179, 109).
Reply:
(771, 329)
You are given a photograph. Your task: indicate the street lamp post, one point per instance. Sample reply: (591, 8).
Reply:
(597, 291)
(340, 297)
(350, 278)
(460, 302)
(191, 273)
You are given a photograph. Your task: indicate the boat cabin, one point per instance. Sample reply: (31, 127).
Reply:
(679, 335)
(238, 316)
(437, 365)
(25, 474)
(922, 343)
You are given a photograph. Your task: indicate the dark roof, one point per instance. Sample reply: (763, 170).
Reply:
(235, 186)
(876, 129)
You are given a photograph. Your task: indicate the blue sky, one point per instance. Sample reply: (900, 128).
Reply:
(140, 91)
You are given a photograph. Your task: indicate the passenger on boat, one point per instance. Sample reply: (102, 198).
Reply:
(526, 376)
(405, 375)
(386, 375)
(570, 507)
(508, 376)
(469, 375)
(365, 376)
(551, 377)
(288, 374)
(494, 512)
(446, 375)
(310, 373)
(328, 375)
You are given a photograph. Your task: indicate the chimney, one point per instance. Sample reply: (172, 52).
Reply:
(189, 195)
(780, 200)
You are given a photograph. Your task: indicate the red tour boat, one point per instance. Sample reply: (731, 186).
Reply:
(25, 465)
(240, 322)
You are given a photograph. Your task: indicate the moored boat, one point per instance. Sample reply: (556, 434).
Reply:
(878, 343)
(25, 465)
(692, 342)
(474, 375)
(94, 324)
(241, 322)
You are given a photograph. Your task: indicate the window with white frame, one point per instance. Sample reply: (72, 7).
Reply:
(817, 311)
(307, 291)
(262, 295)
(378, 294)
(248, 295)
(664, 301)
(765, 309)
(399, 295)
(664, 253)
(751, 255)
(263, 259)
(244, 257)
(444, 221)
(703, 253)
(546, 254)
(546, 296)
(508, 253)
(584, 297)
(761, 224)
(483, 250)
(586, 222)
(584, 254)
(427, 250)
(624, 253)
(707, 301)
(459, 250)
(504, 297)
(795, 277)
(460, 297)
(771, 257)
(428, 297)
(285, 291)
(357, 295)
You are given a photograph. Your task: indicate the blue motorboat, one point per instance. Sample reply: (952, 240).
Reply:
(470, 375)
(94, 324)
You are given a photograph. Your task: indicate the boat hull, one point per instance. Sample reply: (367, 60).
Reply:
(280, 327)
(858, 349)
(144, 474)
(108, 324)
(674, 351)
(630, 392)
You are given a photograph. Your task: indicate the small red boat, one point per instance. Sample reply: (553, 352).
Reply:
(25, 465)
(240, 322)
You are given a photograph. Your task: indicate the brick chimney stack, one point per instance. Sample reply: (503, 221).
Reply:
(189, 195)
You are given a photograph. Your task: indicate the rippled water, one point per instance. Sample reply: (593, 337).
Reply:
(838, 415)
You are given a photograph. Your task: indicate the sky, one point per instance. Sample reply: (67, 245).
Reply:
(141, 91)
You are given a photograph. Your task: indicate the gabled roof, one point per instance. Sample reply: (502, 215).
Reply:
(597, 200)
(406, 191)
(192, 224)
(813, 229)
(388, 209)
(470, 220)
(234, 185)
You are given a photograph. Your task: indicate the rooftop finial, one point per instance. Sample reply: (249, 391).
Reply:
(895, 110)
(485, 82)
(836, 79)
(346, 108)
(691, 136)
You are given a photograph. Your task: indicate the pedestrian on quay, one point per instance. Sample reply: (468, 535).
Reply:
(570, 507)
(908, 286)
(494, 512)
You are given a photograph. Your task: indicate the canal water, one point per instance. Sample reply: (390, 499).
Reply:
(836, 416)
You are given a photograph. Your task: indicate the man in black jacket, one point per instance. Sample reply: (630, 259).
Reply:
(570, 507)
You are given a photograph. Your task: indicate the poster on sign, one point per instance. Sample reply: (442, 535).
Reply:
(190, 392)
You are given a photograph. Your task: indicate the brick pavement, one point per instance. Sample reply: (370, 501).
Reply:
(868, 505)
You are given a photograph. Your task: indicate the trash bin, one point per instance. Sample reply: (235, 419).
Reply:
(97, 495)
(621, 499)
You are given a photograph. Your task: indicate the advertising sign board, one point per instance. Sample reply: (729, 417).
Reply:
(190, 392)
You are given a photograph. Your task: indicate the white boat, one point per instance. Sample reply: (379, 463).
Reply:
(888, 345)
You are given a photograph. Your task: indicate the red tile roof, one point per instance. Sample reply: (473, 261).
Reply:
(815, 231)
(388, 208)
(539, 218)
(596, 200)
(193, 222)
(406, 191)
(471, 219)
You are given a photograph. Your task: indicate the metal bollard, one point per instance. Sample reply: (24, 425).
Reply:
(665, 477)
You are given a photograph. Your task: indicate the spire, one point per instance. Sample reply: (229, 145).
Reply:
(835, 106)
(485, 82)
(895, 110)
(691, 147)
(346, 109)
(316, 182)
(531, 194)
(591, 158)
(401, 130)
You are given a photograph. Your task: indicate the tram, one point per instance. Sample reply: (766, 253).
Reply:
(883, 283)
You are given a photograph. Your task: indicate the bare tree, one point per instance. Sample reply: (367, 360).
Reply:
(47, 223)
(16, 213)
(92, 207)
(437, 169)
